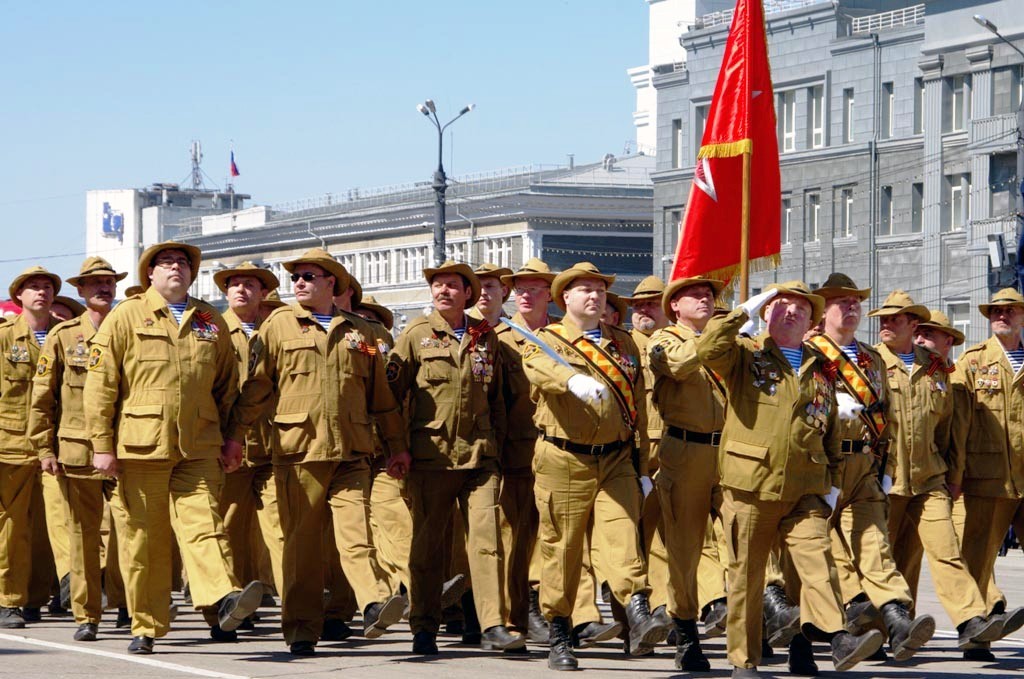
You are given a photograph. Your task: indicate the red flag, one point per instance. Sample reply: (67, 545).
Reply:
(234, 168)
(741, 120)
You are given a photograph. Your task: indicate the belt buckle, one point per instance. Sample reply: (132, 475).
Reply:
(716, 438)
(597, 449)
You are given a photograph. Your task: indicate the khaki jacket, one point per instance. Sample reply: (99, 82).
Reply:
(258, 438)
(993, 436)
(560, 413)
(157, 389)
(854, 430)
(921, 414)
(327, 384)
(683, 394)
(20, 355)
(517, 451)
(780, 438)
(453, 393)
(383, 339)
(56, 421)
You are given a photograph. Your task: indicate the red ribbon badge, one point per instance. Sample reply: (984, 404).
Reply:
(831, 370)
(476, 332)
(938, 363)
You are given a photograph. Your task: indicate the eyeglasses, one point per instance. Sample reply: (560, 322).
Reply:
(533, 291)
(168, 262)
(307, 276)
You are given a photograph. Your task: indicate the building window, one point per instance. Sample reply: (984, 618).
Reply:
(455, 252)
(412, 261)
(498, 251)
(958, 207)
(956, 105)
(786, 220)
(816, 116)
(376, 265)
(787, 121)
(677, 142)
(813, 217)
(700, 119)
(917, 207)
(1006, 90)
(888, 103)
(1002, 183)
(846, 213)
(960, 316)
(918, 105)
(885, 214)
(848, 115)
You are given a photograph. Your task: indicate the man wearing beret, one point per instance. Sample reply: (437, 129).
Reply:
(162, 377)
(779, 460)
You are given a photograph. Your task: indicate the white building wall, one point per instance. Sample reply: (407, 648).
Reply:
(122, 254)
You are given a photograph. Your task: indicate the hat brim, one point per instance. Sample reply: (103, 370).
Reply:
(264, 276)
(500, 275)
(817, 303)
(958, 337)
(673, 288)
(460, 270)
(831, 293)
(566, 278)
(386, 316)
(76, 307)
(510, 279)
(918, 310)
(986, 308)
(15, 286)
(77, 280)
(620, 305)
(194, 254)
(342, 279)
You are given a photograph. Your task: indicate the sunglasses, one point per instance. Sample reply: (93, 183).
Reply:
(307, 276)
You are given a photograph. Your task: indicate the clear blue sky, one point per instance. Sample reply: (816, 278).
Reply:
(317, 96)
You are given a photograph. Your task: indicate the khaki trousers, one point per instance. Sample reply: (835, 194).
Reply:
(42, 579)
(752, 526)
(341, 601)
(519, 523)
(432, 496)
(711, 567)
(84, 495)
(987, 520)
(304, 493)
(57, 523)
(141, 505)
(17, 486)
(571, 492)
(110, 557)
(690, 495)
(860, 537)
(391, 522)
(250, 493)
(924, 523)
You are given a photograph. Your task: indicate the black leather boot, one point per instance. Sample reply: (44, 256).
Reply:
(689, 656)
(860, 614)
(979, 629)
(849, 649)
(537, 631)
(801, 657)
(561, 657)
(645, 631)
(781, 617)
(471, 633)
(906, 634)
(715, 618)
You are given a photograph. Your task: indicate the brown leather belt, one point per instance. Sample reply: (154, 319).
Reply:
(586, 449)
(712, 439)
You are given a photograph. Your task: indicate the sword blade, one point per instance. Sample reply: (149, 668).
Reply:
(551, 353)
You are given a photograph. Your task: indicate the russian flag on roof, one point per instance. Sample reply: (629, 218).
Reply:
(234, 168)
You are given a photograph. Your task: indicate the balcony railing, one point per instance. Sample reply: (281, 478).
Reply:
(770, 7)
(905, 16)
(993, 133)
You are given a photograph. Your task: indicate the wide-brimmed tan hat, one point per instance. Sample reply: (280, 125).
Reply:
(194, 254)
(265, 276)
(620, 305)
(534, 268)
(899, 302)
(650, 288)
(323, 259)
(357, 292)
(1005, 297)
(76, 307)
(940, 321)
(841, 285)
(799, 289)
(96, 266)
(28, 273)
(133, 290)
(272, 300)
(673, 288)
(574, 272)
(494, 271)
(461, 269)
(383, 313)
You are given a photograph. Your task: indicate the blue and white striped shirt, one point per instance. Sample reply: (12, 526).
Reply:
(178, 310)
(794, 356)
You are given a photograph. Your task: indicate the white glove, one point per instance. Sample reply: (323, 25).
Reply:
(754, 304)
(886, 484)
(646, 485)
(586, 388)
(848, 406)
(832, 498)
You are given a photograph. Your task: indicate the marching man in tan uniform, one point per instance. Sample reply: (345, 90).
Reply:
(992, 444)
(779, 460)
(591, 413)
(860, 534)
(690, 399)
(249, 497)
(447, 367)
(20, 344)
(161, 379)
(57, 428)
(325, 373)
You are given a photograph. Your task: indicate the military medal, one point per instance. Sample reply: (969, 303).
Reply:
(18, 354)
(204, 328)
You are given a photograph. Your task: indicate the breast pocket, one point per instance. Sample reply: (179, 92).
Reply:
(154, 344)
(745, 465)
(298, 356)
(436, 366)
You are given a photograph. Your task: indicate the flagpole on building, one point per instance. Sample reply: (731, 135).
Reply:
(745, 230)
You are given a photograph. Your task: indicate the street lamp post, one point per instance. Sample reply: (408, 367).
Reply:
(440, 183)
(989, 26)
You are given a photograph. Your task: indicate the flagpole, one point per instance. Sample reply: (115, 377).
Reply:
(745, 230)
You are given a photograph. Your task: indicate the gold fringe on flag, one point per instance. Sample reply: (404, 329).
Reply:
(726, 150)
(731, 273)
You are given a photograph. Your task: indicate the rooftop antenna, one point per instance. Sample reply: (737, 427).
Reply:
(196, 152)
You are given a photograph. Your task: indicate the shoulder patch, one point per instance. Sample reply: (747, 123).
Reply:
(95, 357)
(44, 365)
(393, 371)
